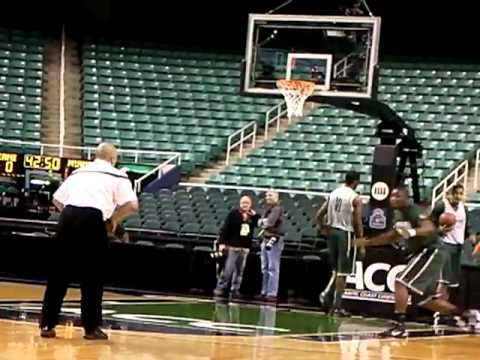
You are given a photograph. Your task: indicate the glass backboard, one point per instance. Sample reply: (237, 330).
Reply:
(338, 53)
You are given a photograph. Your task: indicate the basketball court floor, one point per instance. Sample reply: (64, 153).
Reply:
(170, 327)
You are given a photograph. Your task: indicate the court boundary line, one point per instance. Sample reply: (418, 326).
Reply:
(310, 337)
(321, 350)
(232, 340)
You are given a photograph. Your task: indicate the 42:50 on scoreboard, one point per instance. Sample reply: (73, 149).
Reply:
(15, 165)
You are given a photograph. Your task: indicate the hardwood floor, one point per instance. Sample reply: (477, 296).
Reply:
(20, 340)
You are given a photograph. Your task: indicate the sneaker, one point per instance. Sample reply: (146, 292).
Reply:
(219, 293)
(397, 330)
(448, 320)
(47, 332)
(339, 312)
(260, 297)
(236, 295)
(470, 318)
(325, 300)
(96, 334)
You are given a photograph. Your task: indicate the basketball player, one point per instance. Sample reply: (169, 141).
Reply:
(420, 276)
(452, 238)
(343, 210)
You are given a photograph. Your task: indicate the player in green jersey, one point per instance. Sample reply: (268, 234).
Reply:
(416, 231)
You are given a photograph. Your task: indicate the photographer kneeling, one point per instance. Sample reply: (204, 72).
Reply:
(235, 241)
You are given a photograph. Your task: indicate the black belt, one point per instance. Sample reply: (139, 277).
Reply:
(100, 172)
(84, 209)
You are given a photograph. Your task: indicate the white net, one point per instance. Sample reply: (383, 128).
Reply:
(295, 93)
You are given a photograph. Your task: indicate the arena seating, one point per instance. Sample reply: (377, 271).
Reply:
(311, 155)
(198, 213)
(150, 99)
(142, 98)
(21, 69)
(194, 211)
(442, 105)
(441, 102)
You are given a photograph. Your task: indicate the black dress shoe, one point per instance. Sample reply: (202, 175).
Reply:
(96, 334)
(219, 293)
(339, 312)
(236, 295)
(46, 332)
(270, 299)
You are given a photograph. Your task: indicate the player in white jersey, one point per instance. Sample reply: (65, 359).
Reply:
(453, 238)
(343, 211)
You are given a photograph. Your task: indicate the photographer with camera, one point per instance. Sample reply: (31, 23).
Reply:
(271, 246)
(234, 244)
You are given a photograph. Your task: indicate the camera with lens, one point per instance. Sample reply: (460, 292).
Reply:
(269, 242)
(217, 255)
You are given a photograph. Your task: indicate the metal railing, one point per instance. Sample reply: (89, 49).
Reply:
(275, 115)
(240, 137)
(477, 169)
(341, 66)
(262, 189)
(87, 151)
(460, 173)
(137, 184)
(41, 147)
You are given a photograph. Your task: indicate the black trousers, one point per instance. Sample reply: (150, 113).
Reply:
(79, 253)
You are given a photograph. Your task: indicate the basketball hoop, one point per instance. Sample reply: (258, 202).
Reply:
(295, 93)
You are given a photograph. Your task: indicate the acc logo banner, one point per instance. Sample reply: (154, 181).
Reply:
(380, 191)
(374, 283)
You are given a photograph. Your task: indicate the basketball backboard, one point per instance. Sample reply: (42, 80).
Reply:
(338, 53)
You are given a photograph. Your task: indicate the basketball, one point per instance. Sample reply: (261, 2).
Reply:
(447, 219)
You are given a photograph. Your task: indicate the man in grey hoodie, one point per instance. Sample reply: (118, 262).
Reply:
(271, 246)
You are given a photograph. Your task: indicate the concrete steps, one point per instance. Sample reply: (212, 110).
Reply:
(218, 166)
(50, 122)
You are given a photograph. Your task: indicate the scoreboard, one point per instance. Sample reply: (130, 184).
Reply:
(16, 165)
(30, 181)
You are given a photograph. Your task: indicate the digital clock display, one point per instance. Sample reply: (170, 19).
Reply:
(42, 162)
(15, 165)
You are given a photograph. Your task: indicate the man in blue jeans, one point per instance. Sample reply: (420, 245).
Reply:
(235, 241)
(271, 246)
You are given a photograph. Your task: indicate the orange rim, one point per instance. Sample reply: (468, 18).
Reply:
(302, 86)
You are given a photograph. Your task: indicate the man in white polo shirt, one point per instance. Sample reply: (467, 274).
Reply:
(92, 199)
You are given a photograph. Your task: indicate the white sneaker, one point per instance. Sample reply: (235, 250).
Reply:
(436, 319)
(471, 318)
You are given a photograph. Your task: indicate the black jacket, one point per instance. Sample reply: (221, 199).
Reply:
(231, 232)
